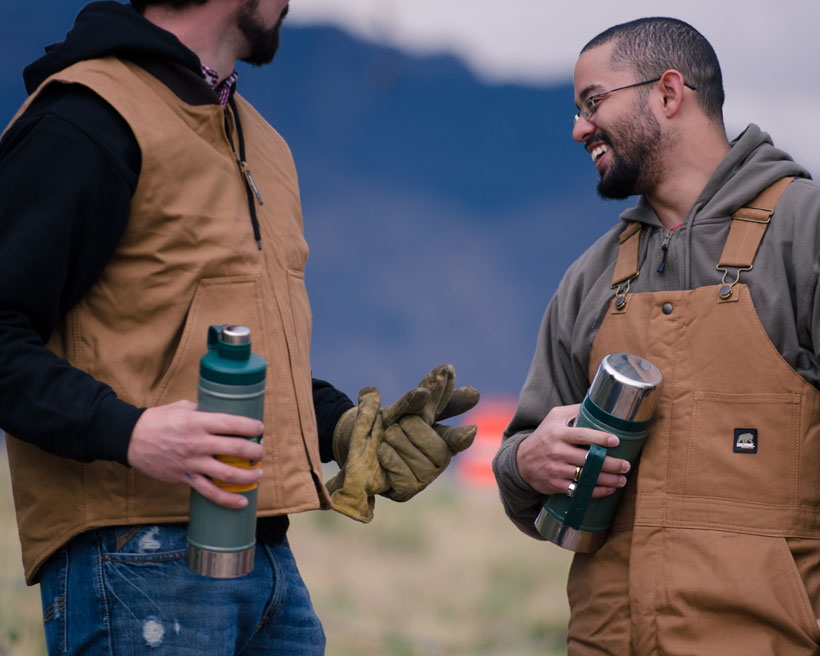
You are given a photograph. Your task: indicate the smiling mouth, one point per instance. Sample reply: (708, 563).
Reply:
(598, 152)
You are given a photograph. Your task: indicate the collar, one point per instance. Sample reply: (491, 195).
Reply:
(222, 89)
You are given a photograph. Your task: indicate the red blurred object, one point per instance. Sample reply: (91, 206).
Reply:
(474, 466)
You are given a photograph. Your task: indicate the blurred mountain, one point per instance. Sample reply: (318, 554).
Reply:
(441, 211)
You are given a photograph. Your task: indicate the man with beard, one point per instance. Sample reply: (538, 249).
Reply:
(143, 200)
(712, 277)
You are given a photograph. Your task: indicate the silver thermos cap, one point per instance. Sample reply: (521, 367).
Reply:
(236, 335)
(626, 386)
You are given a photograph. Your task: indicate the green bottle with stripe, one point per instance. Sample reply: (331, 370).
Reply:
(221, 541)
(621, 400)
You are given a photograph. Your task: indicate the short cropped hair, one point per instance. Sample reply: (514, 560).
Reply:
(651, 46)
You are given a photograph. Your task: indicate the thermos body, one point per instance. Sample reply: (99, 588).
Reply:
(221, 541)
(621, 400)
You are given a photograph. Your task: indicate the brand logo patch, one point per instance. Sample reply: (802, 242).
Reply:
(745, 440)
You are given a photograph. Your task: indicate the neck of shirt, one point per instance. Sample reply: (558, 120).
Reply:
(222, 89)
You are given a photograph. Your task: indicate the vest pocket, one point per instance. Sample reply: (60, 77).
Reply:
(232, 300)
(301, 312)
(743, 447)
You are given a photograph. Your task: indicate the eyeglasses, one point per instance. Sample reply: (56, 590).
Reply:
(590, 103)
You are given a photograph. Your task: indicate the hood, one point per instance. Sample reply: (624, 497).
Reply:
(752, 164)
(109, 28)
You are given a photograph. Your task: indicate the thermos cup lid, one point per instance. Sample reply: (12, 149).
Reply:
(236, 335)
(626, 386)
(229, 360)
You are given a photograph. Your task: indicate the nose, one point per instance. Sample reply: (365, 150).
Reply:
(582, 129)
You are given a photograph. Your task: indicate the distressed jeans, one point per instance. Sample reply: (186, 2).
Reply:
(127, 590)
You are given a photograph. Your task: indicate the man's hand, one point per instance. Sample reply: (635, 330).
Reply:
(353, 489)
(548, 457)
(408, 448)
(414, 453)
(416, 448)
(176, 443)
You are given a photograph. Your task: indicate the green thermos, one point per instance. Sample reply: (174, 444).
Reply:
(221, 541)
(621, 400)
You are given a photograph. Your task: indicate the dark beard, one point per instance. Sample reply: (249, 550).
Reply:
(634, 166)
(262, 42)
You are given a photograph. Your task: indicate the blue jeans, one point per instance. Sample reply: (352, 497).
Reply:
(127, 590)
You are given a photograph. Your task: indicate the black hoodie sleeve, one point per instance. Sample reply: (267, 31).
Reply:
(68, 169)
(330, 404)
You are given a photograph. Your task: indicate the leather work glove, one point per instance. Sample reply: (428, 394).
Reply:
(353, 489)
(413, 449)
(416, 448)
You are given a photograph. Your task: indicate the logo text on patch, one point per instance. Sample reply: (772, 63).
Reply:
(745, 440)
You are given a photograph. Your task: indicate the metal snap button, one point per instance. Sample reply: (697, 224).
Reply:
(666, 308)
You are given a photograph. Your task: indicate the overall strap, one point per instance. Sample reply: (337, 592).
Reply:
(748, 226)
(626, 267)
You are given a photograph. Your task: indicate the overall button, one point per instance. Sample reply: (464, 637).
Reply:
(666, 308)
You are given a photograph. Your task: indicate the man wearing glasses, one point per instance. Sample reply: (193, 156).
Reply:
(712, 277)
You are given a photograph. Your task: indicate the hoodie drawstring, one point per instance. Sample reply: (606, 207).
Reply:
(250, 186)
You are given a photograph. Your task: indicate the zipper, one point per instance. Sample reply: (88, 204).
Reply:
(243, 166)
(667, 237)
(251, 189)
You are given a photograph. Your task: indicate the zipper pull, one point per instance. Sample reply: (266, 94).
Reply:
(247, 172)
(665, 248)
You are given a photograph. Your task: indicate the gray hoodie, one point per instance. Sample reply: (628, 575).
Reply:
(783, 285)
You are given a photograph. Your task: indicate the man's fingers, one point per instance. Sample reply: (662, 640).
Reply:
(217, 423)
(598, 492)
(207, 445)
(219, 496)
(615, 465)
(561, 415)
(586, 436)
(232, 471)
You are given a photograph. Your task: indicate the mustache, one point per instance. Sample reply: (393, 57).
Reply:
(599, 135)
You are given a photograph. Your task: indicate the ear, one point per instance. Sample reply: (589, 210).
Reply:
(672, 87)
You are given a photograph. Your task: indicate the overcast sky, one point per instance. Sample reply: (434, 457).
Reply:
(769, 50)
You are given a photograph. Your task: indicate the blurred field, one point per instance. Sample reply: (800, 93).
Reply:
(21, 629)
(443, 575)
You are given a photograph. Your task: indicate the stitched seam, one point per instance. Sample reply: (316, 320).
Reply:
(135, 560)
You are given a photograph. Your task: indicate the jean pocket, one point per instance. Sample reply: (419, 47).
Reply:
(143, 544)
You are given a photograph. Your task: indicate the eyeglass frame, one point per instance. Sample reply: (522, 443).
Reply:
(601, 96)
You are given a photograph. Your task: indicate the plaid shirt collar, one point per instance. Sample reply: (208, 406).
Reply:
(223, 90)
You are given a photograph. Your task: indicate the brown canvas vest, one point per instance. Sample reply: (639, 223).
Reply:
(188, 259)
(715, 549)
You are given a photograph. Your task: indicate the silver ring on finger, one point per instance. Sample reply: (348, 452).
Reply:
(571, 489)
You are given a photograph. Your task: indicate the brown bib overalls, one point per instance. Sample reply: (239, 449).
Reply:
(715, 550)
